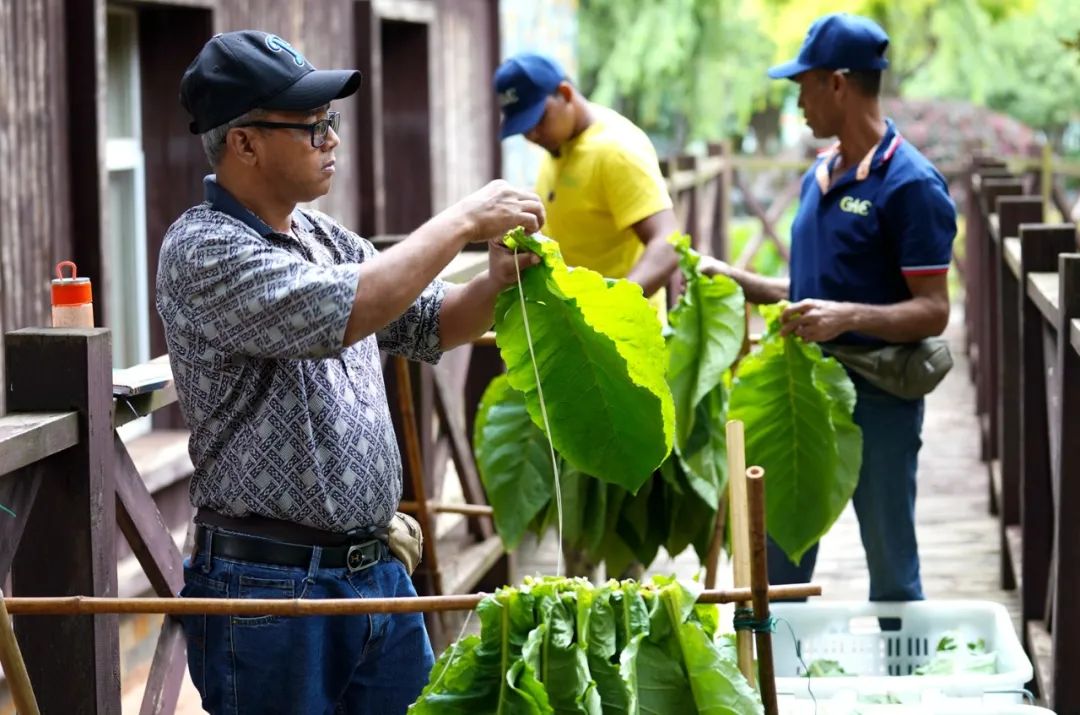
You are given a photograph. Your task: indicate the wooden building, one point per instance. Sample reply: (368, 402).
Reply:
(96, 160)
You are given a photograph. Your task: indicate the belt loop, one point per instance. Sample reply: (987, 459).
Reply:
(208, 540)
(313, 567)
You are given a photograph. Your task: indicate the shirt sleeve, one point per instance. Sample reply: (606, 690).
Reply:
(246, 296)
(633, 186)
(923, 221)
(415, 334)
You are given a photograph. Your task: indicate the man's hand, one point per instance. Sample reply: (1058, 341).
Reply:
(818, 321)
(501, 263)
(712, 266)
(497, 208)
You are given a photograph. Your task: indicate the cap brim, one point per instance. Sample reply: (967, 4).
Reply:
(522, 121)
(316, 89)
(788, 70)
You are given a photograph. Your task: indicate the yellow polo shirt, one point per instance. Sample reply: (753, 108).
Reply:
(604, 181)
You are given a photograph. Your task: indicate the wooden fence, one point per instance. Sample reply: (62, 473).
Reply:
(73, 484)
(1023, 281)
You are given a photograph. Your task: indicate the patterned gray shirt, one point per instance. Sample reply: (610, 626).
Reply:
(285, 422)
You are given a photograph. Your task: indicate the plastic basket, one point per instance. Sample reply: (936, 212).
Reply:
(944, 706)
(881, 643)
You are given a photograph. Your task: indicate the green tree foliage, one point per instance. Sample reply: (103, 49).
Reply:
(695, 69)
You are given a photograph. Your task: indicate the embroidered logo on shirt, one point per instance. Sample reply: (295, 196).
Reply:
(852, 205)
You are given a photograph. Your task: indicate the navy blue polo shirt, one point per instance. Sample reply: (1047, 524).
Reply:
(858, 240)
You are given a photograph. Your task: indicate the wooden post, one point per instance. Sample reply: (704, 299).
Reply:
(1012, 211)
(759, 586)
(988, 369)
(22, 693)
(69, 544)
(740, 535)
(1066, 625)
(1040, 246)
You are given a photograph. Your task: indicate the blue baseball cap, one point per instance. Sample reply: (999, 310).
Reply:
(838, 41)
(523, 83)
(236, 72)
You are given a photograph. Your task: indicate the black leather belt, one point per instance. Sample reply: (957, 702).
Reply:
(229, 545)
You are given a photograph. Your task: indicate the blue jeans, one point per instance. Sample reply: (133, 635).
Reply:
(884, 498)
(329, 665)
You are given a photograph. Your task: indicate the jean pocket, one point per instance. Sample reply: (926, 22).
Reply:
(254, 587)
(198, 585)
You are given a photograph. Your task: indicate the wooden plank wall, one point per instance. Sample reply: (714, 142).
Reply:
(52, 142)
(35, 220)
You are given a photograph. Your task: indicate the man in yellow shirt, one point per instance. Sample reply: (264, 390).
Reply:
(607, 204)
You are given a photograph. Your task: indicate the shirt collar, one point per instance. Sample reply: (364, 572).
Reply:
(221, 200)
(877, 156)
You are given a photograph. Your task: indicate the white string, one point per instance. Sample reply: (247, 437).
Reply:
(543, 413)
(454, 653)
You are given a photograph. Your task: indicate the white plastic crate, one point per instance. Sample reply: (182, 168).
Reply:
(942, 706)
(884, 655)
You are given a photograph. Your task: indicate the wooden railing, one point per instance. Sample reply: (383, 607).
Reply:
(73, 484)
(1024, 327)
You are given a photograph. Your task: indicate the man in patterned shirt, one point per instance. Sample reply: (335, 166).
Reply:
(274, 317)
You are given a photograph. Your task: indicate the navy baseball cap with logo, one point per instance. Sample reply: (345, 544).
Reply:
(236, 72)
(838, 41)
(523, 83)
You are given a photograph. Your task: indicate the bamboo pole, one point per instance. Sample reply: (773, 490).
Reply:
(413, 507)
(759, 578)
(86, 605)
(22, 692)
(740, 536)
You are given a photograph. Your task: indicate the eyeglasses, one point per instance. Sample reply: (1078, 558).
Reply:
(318, 129)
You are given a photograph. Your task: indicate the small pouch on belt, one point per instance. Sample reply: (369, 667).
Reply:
(406, 540)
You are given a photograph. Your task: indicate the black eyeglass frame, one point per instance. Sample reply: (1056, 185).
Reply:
(332, 121)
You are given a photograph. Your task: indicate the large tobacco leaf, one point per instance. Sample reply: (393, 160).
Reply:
(602, 364)
(796, 405)
(708, 325)
(513, 458)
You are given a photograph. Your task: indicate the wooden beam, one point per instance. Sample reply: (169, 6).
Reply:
(1075, 335)
(145, 530)
(1042, 289)
(1012, 255)
(69, 545)
(29, 437)
(166, 670)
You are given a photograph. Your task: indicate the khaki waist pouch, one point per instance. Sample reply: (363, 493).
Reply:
(907, 370)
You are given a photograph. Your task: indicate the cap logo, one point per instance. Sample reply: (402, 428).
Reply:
(276, 44)
(508, 97)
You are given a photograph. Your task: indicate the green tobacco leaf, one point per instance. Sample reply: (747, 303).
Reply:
(563, 664)
(602, 364)
(708, 326)
(602, 649)
(514, 460)
(797, 415)
(497, 676)
(704, 457)
(717, 685)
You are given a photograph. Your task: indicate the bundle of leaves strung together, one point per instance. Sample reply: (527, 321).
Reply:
(638, 417)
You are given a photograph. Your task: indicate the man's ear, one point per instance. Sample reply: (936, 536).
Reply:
(565, 90)
(241, 142)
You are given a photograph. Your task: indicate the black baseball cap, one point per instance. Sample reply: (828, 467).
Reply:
(236, 72)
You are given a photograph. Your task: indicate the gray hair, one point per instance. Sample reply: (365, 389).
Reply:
(213, 141)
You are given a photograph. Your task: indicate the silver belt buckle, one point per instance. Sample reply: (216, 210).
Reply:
(357, 560)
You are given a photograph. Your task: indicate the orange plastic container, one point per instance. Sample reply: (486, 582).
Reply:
(72, 299)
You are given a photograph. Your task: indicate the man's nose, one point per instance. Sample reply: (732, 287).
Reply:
(331, 141)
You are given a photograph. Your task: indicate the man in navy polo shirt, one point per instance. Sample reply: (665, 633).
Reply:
(871, 246)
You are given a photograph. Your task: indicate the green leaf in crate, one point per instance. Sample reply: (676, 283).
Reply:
(708, 326)
(492, 673)
(514, 460)
(796, 407)
(562, 663)
(602, 364)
